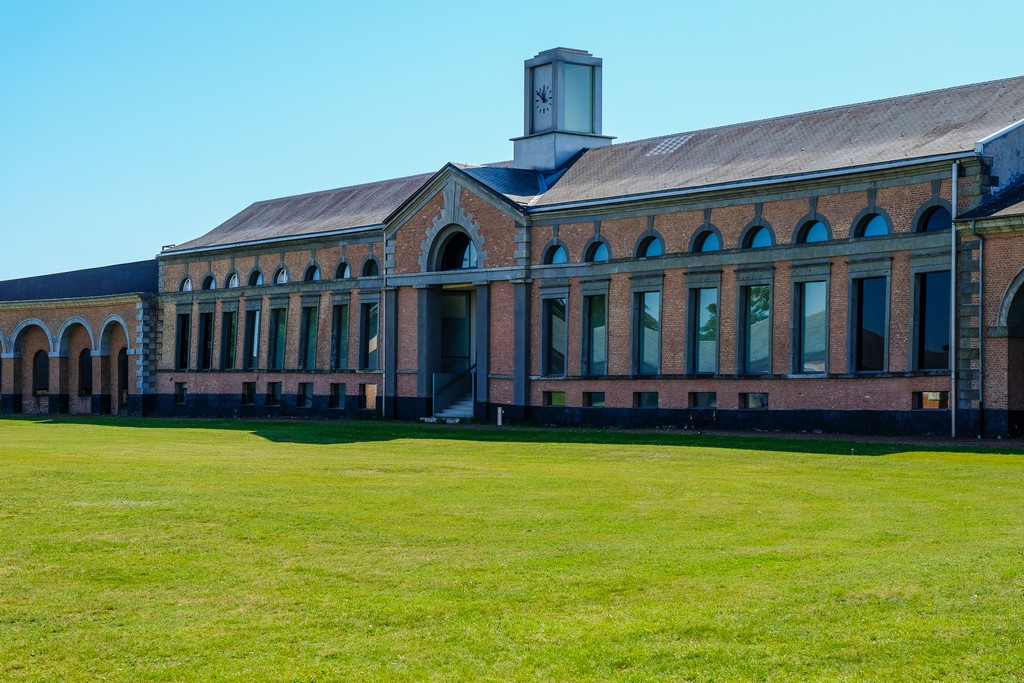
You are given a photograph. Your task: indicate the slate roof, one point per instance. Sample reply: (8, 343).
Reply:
(123, 278)
(1009, 202)
(345, 208)
(911, 127)
(895, 129)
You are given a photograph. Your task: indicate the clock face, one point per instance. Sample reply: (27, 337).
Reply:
(542, 98)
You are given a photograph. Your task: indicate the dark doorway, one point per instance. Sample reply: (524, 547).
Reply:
(456, 331)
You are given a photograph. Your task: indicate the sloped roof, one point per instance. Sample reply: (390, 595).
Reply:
(1009, 202)
(895, 129)
(310, 214)
(930, 124)
(124, 278)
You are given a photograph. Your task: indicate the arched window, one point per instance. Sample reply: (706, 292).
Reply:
(255, 278)
(935, 220)
(371, 269)
(459, 253)
(281, 276)
(650, 247)
(708, 241)
(41, 373)
(758, 238)
(598, 251)
(872, 225)
(186, 285)
(85, 373)
(232, 280)
(312, 274)
(814, 231)
(209, 282)
(343, 272)
(556, 254)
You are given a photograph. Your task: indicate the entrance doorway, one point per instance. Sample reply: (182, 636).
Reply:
(456, 331)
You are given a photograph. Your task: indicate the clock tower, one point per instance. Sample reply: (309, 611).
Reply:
(562, 108)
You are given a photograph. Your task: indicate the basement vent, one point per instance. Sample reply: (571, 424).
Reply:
(669, 145)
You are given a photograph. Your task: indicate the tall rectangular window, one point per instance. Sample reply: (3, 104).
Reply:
(554, 337)
(579, 98)
(206, 341)
(595, 336)
(705, 330)
(339, 337)
(308, 328)
(275, 344)
(648, 333)
(369, 351)
(183, 341)
(813, 322)
(932, 331)
(869, 331)
(757, 329)
(251, 352)
(228, 339)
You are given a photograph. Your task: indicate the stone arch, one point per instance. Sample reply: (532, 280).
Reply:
(751, 228)
(857, 225)
(23, 326)
(110, 374)
(72, 395)
(1010, 325)
(805, 223)
(452, 217)
(926, 208)
(701, 233)
(25, 398)
(105, 334)
(593, 244)
(649, 234)
(64, 335)
(442, 239)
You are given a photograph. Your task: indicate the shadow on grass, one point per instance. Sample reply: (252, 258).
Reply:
(357, 431)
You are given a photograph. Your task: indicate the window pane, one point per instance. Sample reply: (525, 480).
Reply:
(370, 350)
(308, 337)
(709, 243)
(758, 329)
(275, 345)
(761, 238)
(205, 341)
(252, 340)
(938, 219)
(597, 335)
(813, 328)
(579, 97)
(228, 336)
(705, 351)
(339, 338)
(815, 232)
(183, 341)
(599, 252)
(875, 226)
(933, 321)
(871, 332)
(652, 247)
(649, 337)
(557, 255)
(556, 342)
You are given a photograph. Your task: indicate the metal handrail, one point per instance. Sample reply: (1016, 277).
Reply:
(439, 393)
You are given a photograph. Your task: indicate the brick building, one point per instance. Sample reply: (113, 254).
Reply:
(803, 272)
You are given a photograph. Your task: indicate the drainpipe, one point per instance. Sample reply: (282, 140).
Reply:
(981, 328)
(953, 338)
(383, 321)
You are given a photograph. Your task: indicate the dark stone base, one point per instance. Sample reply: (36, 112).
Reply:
(229, 405)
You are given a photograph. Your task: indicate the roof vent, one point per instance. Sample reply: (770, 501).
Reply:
(669, 145)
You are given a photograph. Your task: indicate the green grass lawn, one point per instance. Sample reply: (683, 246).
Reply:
(214, 551)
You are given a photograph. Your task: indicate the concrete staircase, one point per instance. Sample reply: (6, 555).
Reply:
(461, 409)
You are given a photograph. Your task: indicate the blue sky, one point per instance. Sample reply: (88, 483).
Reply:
(125, 126)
